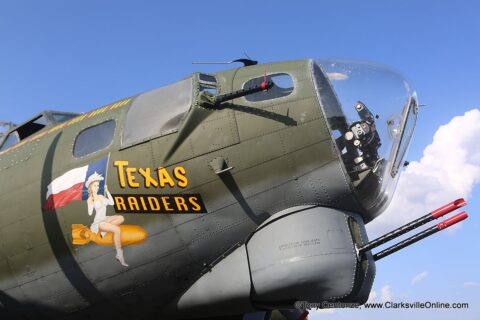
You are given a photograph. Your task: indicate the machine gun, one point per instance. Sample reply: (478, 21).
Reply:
(362, 141)
(413, 225)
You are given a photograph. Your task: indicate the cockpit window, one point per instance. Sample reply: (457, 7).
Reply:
(32, 127)
(42, 121)
(282, 87)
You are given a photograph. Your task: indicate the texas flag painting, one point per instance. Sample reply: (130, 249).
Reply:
(71, 185)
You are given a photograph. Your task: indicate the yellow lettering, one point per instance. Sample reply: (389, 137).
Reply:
(120, 168)
(120, 203)
(149, 181)
(164, 178)
(180, 174)
(166, 204)
(132, 202)
(154, 204)
(194, 203)
(181, 205)
(144, 206)
(131, 178)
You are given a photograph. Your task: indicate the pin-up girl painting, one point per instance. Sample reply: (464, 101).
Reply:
(87, 183)
(102, 222)
(105, 230)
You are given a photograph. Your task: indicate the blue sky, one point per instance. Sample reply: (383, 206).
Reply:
(76, 56)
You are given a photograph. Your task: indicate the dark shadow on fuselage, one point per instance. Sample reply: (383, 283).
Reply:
(285, 119)
(11, 309)
(232, 186)
(57, 241)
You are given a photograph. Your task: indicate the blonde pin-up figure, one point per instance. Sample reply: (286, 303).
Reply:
(102, 222)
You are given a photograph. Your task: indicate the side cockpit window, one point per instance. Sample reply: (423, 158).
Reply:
(94, 139)
(282, 87)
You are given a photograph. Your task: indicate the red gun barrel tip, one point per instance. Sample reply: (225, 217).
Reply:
(460, 203)
(452, 220)
(443, 210)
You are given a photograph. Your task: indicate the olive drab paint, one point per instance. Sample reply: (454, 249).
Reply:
(209, 196)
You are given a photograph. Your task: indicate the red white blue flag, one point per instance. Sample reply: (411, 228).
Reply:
(71, 185)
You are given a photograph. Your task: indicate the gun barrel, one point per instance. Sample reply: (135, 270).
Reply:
(435, 214)
(266, 85)
(421, 235)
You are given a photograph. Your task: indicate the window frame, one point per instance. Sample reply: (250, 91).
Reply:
(7, 136)
(89, 127)
(205, 84)
(52, 115)
(29, 125)
(399, 155)
(127, 143)
(269, 77)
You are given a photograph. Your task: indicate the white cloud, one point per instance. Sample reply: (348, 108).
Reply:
(448, 169)
(372, 297)
(470, 284)
(386, 294)
(419, 277)
(338, 76)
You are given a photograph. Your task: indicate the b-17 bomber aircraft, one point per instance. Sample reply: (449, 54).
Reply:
(241, 194)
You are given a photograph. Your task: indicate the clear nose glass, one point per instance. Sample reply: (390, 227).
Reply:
(371, 112)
